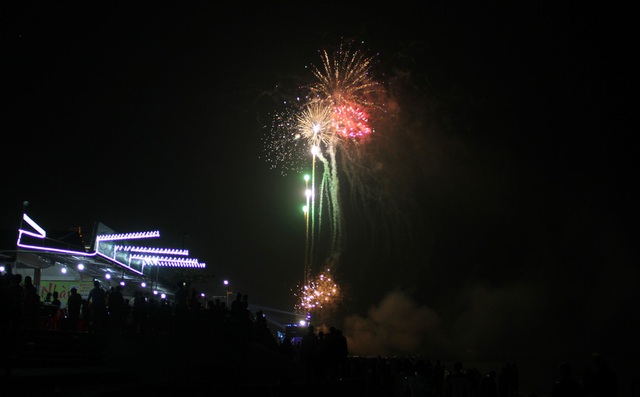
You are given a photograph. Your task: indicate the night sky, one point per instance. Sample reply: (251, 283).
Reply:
(501, 222)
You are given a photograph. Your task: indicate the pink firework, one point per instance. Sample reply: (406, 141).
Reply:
(350, 121)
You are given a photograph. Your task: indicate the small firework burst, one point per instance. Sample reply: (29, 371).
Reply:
(321, 292)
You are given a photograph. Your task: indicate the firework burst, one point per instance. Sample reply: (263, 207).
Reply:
(314, 124)
(345, 77)
(334, 121)
(321, 292)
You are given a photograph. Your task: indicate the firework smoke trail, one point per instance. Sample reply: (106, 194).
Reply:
(307, 193)
(336, 224)
(313, 123)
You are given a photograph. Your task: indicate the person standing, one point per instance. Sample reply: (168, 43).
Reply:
(309, 354)
(97, 301)
(566, 385)
(15, 298)
(74, 304)
(48, 297)
(30, 304)
(140, 310)
(55, 299)
(117, 309)
(57, 312)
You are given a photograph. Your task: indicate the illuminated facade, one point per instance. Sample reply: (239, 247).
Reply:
(60, 263)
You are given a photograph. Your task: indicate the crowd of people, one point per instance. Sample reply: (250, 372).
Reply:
(320, 357)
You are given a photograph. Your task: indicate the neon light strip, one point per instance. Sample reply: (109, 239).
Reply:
(168, 261)
(182, 264)
(127, 236)
(156, 258)
(32, 234)
(34, 225)
(50, 249)
(151, 250)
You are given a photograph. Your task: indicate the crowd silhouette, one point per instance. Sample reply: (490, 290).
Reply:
(321, 357)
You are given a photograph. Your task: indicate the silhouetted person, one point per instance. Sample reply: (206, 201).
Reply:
(58, 314)
(30, 304)
(181, 300)
(262, 333)
(74, 305)
(7, 278)
(286, 348)
(194, 300)
(457, 382)
(508, 380)
(15, 297)
(217, 316)
(85, 316)
(97, 301)
(239, 308)
(245, 303)
(417, 381)
(488, 385)
(239, 321)
(341, 352)
(605, 383)
(323, 358)
(566, 386)
(117, 309)
(309, 354)
(165, 317)
(139, 313)
(55, 300)
(180, 308)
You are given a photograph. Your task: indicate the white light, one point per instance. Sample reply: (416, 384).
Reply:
(163, 296)
(143, 284)
(226, 282)
(151, 250)
(63, 270)
(2, 269)
(80, 266)
(122, 283)
(155, 292)
(302, 323)
(34, 225)
(107, 276)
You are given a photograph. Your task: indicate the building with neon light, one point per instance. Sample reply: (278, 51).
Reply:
(62, 260)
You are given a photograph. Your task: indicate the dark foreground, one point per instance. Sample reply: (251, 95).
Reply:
(84, 364)
(71, 364)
